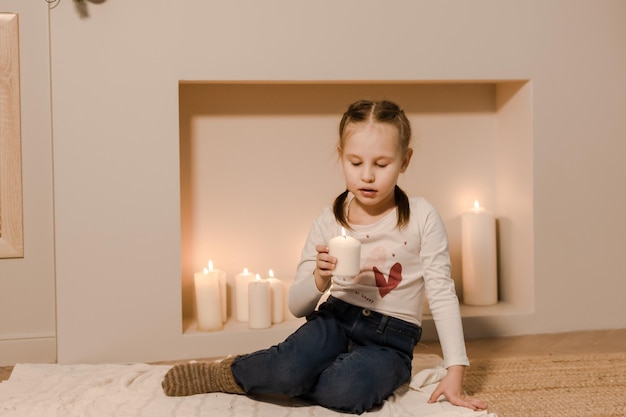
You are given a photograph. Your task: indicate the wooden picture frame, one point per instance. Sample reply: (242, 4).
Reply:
(11, 226)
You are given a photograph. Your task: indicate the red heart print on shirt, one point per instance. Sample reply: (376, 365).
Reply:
(395, 277)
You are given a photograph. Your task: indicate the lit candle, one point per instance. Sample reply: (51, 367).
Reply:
(347, 250)
(479, 257)
(241, 294)
(259, 303)
(277, 288)
(208, 305)
(221, 276)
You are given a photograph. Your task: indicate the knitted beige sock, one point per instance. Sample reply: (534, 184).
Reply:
(201, 378)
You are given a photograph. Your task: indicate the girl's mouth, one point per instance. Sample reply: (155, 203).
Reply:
(367, 192)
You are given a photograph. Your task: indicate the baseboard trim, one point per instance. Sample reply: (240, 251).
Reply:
(40, 349)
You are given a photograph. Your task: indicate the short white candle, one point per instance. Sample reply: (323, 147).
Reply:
(277, 288)
(221, 276)
(208, 305)
(260, 304)
(241, 294)
(347, 250)
(479, 257)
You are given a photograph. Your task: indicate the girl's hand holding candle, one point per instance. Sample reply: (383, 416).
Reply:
(347, 251)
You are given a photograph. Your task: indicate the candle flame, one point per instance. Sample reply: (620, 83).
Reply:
(258, 277)
(210, 265)
(476, 205)
(206, 271)
(343, 231)
(271, 273)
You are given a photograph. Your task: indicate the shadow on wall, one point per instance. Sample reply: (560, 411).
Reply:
(81, 6)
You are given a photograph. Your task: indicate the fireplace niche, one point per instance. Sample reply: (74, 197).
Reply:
(258, 164)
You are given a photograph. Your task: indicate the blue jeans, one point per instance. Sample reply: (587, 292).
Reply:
(344, 358)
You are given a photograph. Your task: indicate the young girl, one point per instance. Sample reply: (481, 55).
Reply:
(356, 349)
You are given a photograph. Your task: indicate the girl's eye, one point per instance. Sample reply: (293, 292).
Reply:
(381, 165)
(355, 164)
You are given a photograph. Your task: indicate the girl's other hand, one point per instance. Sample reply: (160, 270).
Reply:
(451, 387)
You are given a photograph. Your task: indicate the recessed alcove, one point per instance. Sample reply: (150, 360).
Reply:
(258, 164)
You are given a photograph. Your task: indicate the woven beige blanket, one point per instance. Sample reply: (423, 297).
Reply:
(45, 390)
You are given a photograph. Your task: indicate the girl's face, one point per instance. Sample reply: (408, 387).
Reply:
(372, 159)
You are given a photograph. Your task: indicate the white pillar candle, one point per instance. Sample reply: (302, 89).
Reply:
(347, 250)
(277, 288)
(259, 303)
(208, 305)
(221, 276)
(479, 257)
(241, 294)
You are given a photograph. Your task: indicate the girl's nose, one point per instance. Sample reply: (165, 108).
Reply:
(368, 176)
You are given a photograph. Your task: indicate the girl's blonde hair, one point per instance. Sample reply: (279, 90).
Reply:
(381, 111)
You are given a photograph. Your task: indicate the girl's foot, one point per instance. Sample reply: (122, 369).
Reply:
(200, 378)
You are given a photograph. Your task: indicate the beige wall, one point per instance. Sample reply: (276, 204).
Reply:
(116, 145)
(27, 287)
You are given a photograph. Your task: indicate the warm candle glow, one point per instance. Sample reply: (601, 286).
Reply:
(210, 265)
(476, 205)
(271, 273)
(258, 277)
(206, 271)
(343, 231)
(245, 271)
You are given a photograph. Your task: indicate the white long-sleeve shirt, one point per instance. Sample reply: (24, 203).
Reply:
(398, 266)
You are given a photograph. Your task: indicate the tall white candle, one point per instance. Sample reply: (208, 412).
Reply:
(479, 257)
(241, 294)
(208, 304)
(277, 288)
(347, 250)
(221, 277)
(260, 304)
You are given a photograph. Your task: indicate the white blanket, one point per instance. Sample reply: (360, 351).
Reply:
(47, 390)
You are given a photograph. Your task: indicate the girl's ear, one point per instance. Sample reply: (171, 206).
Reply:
(406, 160)
(339, 151)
